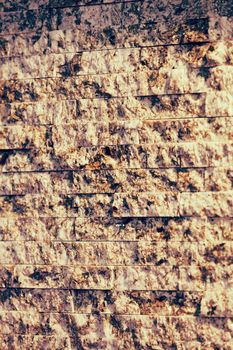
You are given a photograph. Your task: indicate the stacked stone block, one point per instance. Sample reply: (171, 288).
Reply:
(116, 183)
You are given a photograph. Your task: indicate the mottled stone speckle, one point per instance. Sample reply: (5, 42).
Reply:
(116, 175)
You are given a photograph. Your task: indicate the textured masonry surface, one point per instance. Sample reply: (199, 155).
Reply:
(116, 175)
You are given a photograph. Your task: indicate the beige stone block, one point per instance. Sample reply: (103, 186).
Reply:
(105, 229)
(219, 103)
(174, 229)
(23, 183)
(13, 137)
(191, 180)
(35, 300)
(159, 303)
(36, 229)
(217, 302)
(34, 341)
(95, 253)
(189, 130)
(218, 179)
(162, 155)
(146, 278)
(221, 228)
(206, 204)
(92, 277)
(145, 204)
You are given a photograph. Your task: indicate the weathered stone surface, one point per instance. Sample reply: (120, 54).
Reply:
(147, 82)
(115, 253)
(66, 18)
(220, 228)
(205, 154)
(145, 204)
(35, 342)
(26, 137)
(87, 134)
(187, 130)
(206, 203)
(99, 16)
(217, 302)
(191, 180)
(22, 183)
(120, 331)
(36, 229)
(116, 225)
(160, 33)
(138, 277)
(219, 103)
(116, 61)
(113, 109)
(117, 109)
(136, 302)
(193, 277)
(35, 300)
(146, 278)
(37, 113)
(90, 158)
(189, 154)
(219, 179)
(90, 181)
(83, 205)
(186, 154)
(162, 155)
(115, 229)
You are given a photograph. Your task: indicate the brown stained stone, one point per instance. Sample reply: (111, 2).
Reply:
(114, 109)
(120, 278)
(206, 203)
(58, 158)
(116, 253)
(89, 330)
(191, 180)
(145, 82)
(116, 219)
(71, 40)
(36, 229)
(116, 61)
(26, 137)
(116, 229)
(35, 300)
(145, 204)
(137, 302)
(90, 181)
(219, 179)
(189, 130)
(28, 342)
(221, 227)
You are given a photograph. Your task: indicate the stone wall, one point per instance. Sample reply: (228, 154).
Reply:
(116, 183)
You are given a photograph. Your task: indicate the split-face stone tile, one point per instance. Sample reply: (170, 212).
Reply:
(28, 342)
(219, 103)
(116, 61)
(191, 180)
(59, 158)
(218, 179)
(189, 130)
(145, 204)
(159, 303)
(36, 229)
(35, 300)
(221, 228)
(206, 204)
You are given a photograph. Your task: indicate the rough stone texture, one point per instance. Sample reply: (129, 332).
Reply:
(116, 175)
